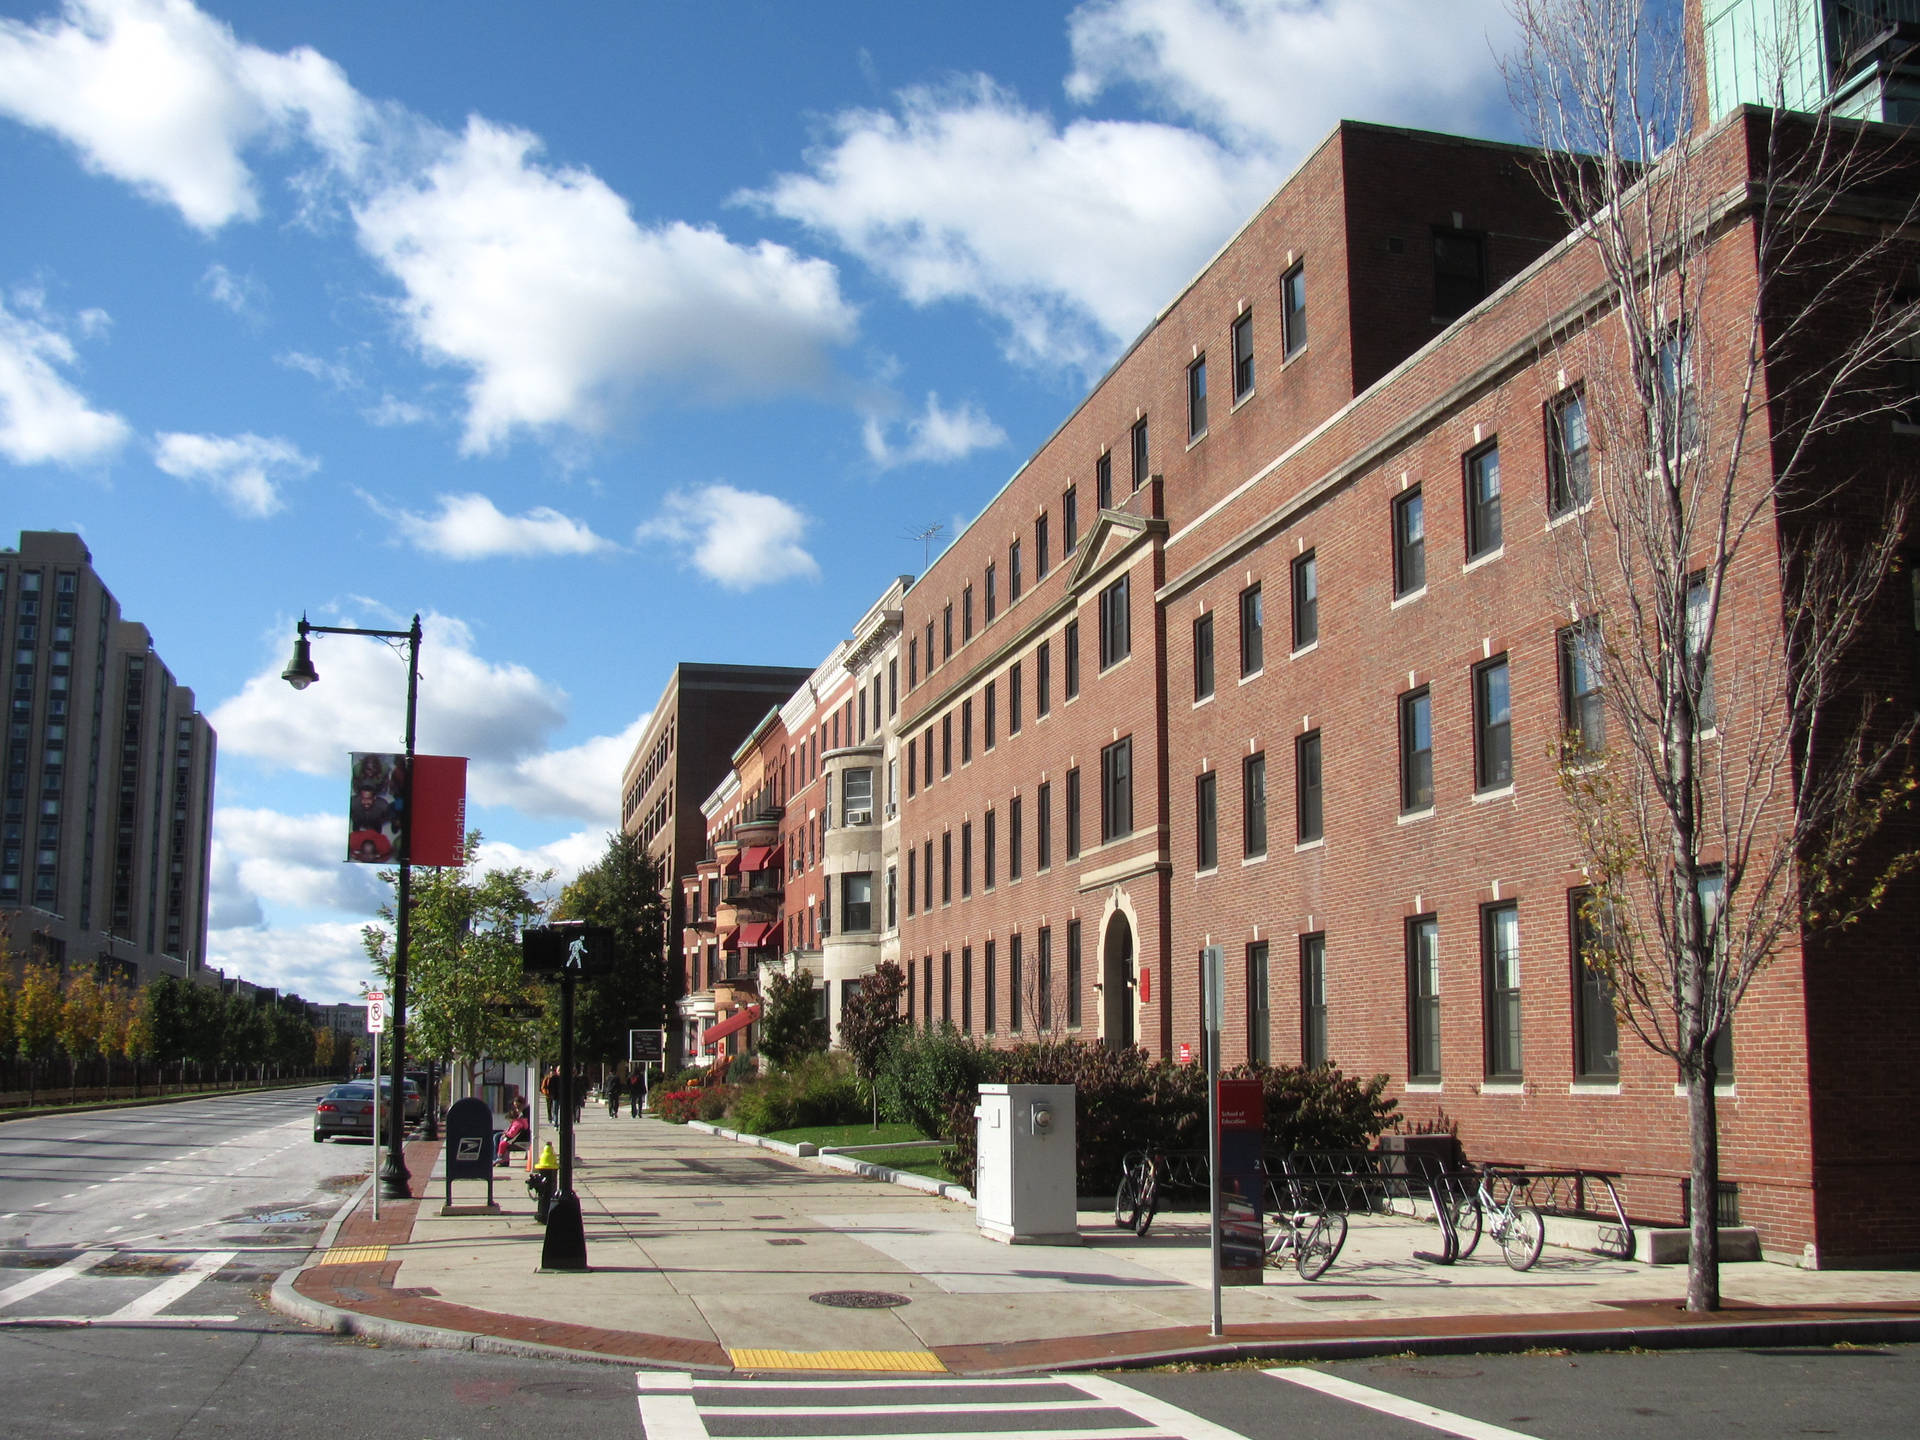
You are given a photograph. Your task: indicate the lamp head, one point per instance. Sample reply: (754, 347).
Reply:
(300, 672)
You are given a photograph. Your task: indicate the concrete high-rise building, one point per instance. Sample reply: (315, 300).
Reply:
(106, 785)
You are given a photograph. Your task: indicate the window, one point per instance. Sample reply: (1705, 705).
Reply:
(1711, 888)
(989, 845)
(1243, 357)
(856, 797)
(1483, 501)
(1582, 715)
(893, 686)
(1069, 519)
(1013, 698)
(966, 989)
(946, 745)
(1073, 974)
(988, 715)
(993, 592)
(1596, 1029)
(991, 987)
(926, 758)
(1253, 633)
(1492, 726)
(1103, 481)
(913, 663)
(1116, 790)
(911, 769)
(1676, 399)
(1013, 983)
(1043, 826)
(1140, 457)
(1042, 559)
(856, 901)
(1306, 601)
(1016, 840)
(1014, 581)
(966, 731)
(1500, 966)
(1206, 814)
(1308, 814)
(1196, 400)
(926, 875)
(1259, 1019)
(1293, 309)
(930, 661)
(926, 985)
(946, 986)
(946, 631)
(1423, 998)
(1043, 979)
(966, 614)
(1203, 657)
(1253, 806)
(1073, 813)
(1043, 679)
(1409, 544)
(1070, 644)
(893, 895)
(1459, 273)
(946, 867)
(966, 859)
(1313, 1000)
(1416, 751)
(1569, 473)
(1116, 637)
(1700, 627)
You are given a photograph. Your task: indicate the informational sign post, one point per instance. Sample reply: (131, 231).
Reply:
(376, 1027)
(1241, 1117)
(1212, 1006)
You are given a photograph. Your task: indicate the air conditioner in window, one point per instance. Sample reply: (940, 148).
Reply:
(893, 811)
(859, 817)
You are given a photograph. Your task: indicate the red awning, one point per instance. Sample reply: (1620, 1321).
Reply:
(754, 934)
(731, 865)
(760, 857)
(719, 1031)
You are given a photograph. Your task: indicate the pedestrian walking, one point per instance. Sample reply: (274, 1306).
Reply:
(550, 1087)
(614, 1091)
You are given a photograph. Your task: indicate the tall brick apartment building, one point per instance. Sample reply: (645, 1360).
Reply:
(1264, 649)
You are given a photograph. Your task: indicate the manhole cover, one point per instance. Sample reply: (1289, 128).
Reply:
(789, 1242)
(859, 1299)
(281, 1217)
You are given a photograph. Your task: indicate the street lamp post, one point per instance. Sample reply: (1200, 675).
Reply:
(395, 1182)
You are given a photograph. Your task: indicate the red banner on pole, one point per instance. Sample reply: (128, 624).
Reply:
(439, 809)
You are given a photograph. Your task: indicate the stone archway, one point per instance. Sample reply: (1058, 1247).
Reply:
(1117, 981)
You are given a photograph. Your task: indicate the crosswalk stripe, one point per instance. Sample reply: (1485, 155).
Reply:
(1389, 1404)
(1170, 1419)
(979, 1407)
(47, 1279)
(671, 1417)
(147, 1306)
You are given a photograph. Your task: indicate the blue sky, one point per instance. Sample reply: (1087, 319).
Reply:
(604, 336)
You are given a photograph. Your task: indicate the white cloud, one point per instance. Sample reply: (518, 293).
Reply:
(322, 962)
(1275, 75)
(471, 527)
(935, 437)
(242, 294)
(43, 418)
(738, 537)
(247, 471)
(492, 713)
(265, 858)
(336, 373)
(566, 857)
(539, 282)
(162, 96)
(1069, 236)
(581, 782)
(392, 410)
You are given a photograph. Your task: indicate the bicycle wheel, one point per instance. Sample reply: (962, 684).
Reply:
(1522, 1236)
(1464, 1211)
(1124, 1199)
(1320, 1246)
(1147, 1204)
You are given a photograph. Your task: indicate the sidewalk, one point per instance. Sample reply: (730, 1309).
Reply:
(714, 1256)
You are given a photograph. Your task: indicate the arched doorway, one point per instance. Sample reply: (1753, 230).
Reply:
(1116, 975)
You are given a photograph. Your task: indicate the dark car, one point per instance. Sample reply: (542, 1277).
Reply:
(345, 1110)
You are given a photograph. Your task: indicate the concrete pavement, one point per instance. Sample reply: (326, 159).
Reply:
(712, 1255)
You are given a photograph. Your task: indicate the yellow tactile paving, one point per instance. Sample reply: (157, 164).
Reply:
(899, 1361)
(354, 1255)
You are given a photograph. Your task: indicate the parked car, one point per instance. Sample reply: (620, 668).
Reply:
(416, 1098)
(344, 1110)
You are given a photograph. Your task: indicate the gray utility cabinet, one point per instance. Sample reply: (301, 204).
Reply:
(1024, 1189)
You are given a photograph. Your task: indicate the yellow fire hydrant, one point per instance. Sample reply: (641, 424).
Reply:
(543, 1177)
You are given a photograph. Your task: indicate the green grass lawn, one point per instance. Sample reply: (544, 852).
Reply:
(919, 1162)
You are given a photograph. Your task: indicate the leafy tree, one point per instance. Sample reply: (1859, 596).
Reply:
(463, 964)
(166, 1022)
(36, 1019)
(621, 891)
(79, 1026)
(323, 1046)
(6, 1004)
(790, 1022)
(868, 1021)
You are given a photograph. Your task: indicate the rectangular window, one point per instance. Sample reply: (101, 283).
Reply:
(1042, 559)
(1259, 1004)
(966, 731)
(966, 859)
(989, 838)
(1569, 473)
(1309, 819)
(1253, 806)
(1070, 645)
(1016, 839)
(913, 663)
(1313, 1000)
(1253, 633)
(1013, 698)
(926, 757)
(926, 875)
(1073, 974)
(988, 716)
(993, 591)
(1014, 581)
(1196, 399)
(946, 987)
(1409, 544)
(1073, 813)
(1596, 1029)
(1676, 398)
(1482, 469)
(1043, 980)
(1043, 679)
(856, 797)
(1142, 463)
(856, 901)
(1492, 726)
(946, 867)
(912, 770)
(1583, 716)
(1243, 357)
(1700, 626)
(946, 745)
(930, 660)
(893, 685)
(1069, 519)
(966, 613)
(1711, 888)
(1423, 999)
(1043, 826)
(926, 986)
(1116, 790)
(1306, 601)
(1103, 481)
(1206, 807)
(966, 989)
(946, 631)
(1500, 967)
(1293, 309)
(1203, 657)
(1116, 632)
(990, 987)
(893, 896)
(1416, 750)
(1459, 273)
(1014, 981)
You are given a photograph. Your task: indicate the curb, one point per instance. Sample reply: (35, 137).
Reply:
(805, 1150)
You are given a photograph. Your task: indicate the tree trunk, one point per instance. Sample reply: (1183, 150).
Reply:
(1703, 1250)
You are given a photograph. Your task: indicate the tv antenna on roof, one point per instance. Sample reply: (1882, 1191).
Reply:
(926, 535)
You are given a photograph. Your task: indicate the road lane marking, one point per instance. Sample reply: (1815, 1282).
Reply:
(984, 1407)
(671, 1417)
(1168, 1418)
(1399, 1406)
(149, 1305)
(47, 1279)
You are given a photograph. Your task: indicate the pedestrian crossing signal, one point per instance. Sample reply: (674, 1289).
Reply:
(567, 948)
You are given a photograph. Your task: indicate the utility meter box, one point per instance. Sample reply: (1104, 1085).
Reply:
(1024, 1189)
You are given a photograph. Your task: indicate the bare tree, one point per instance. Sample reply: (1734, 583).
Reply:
(1724, 560)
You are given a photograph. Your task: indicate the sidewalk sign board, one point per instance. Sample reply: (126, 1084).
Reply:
(1241, 1112)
